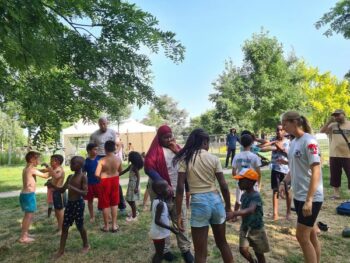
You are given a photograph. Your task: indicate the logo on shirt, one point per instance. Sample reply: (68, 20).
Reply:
(297, 153)
(313, 149)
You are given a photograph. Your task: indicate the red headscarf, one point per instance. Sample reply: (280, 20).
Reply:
(155, 159)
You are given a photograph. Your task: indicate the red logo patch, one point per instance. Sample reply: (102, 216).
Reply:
(312, 148)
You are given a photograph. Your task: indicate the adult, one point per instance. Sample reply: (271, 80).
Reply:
(339, 149)
(231, 140)
(100, 137)
(159, 166)
(279, 146)
(202, 169)
(306, 178)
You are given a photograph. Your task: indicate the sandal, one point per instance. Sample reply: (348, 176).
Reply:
(104, 230)
(115, 230)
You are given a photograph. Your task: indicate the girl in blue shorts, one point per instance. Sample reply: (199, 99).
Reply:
(201, 169)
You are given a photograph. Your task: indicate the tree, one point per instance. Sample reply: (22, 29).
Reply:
(338, 19)
(324, 94)
(254, 95)
(165, 111)
(65, 60)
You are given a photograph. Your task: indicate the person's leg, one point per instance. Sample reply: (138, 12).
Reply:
(106, 213)
(145, 199)
(316, 243)
(219, 231)
(288, 203)
(228, 153)
(91, 210)
(27, 220)
(83, 236)
(133, 208)
(275, 204)
(233, 152)
(303, 235)
(200, 243)
(159, 247)
(64, 237)
(335, 178)
(122, 204)
(346, 167)
(260, 257)
(114, 212)
(59, 216)
(246, 254)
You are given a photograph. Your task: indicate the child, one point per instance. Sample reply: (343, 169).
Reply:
(109, 169)
(77, 188)
(133, 192)
(252, 232)
(27, 196)
(245, 159)
(93, 182)
(58, 199)
(160, 228)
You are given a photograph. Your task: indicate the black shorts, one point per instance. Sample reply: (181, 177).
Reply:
(74, 212)
(59, 200)
(276, 179)
(310, 220)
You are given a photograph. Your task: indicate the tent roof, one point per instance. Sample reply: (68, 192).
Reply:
(126, 126)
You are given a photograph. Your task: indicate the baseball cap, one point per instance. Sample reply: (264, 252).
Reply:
(338, 111)
(248, 173)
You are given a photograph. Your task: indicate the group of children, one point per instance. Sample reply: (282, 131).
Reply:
(98, 177)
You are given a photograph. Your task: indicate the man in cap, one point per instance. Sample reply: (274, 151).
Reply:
(338, 130)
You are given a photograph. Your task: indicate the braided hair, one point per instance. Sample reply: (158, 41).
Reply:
(193, 145)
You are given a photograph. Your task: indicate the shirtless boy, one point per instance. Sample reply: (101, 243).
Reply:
(108, 169)
(77, 188)
(59, 199)
(27, 197)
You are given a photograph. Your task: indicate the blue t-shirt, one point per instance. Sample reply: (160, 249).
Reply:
(90, 168)
(231, 141)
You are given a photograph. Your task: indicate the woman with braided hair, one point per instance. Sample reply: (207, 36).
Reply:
(202, 169)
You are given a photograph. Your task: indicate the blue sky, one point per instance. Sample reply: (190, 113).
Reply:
(214, 31)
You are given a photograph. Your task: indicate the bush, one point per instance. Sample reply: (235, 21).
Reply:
(16, 158)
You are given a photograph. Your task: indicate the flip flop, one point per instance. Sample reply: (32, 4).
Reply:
(115, 230)
(104, 230)
(322, 226)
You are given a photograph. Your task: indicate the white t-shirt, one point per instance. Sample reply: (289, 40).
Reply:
(100, 138)
(245, 159)
(303, 152)
(156, 231)
(172, 170)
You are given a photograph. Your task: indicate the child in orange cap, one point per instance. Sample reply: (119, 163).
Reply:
(252, 232)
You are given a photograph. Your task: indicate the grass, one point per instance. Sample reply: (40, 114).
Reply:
(132, 243)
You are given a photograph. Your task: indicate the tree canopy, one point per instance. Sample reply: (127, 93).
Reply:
(65, 60)
(254, 95)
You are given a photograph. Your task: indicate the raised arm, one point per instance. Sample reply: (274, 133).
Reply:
(40, 174)
(325, 128)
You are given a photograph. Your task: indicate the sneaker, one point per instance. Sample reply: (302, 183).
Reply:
(131, 219)
(188, 257)
(168, 256)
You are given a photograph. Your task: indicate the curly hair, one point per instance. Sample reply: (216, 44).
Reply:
(136, 159)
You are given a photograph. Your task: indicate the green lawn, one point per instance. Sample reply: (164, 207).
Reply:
(132, 243)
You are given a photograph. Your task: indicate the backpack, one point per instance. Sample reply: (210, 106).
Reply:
(344, 208)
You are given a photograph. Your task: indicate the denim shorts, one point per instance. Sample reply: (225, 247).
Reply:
(207, 209)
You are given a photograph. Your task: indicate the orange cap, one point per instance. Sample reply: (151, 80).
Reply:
(247, 173)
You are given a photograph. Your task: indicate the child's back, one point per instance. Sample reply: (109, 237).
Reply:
(246, 159)
(110, 166)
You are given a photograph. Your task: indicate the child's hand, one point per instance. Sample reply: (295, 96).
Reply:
(175, 231)
(173, 146)
(180, 224)
(229, 215)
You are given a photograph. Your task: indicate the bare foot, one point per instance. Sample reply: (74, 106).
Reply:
(58, 255)
(92, 220)
(85, 250)
(288, 216)
(26, 240)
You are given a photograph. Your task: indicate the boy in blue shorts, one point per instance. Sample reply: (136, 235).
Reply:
(252, 232)
(93, 182)
(27, 197)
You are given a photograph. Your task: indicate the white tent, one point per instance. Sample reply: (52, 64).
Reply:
(76, 137)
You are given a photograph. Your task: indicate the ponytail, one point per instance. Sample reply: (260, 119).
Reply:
(305, 124)
(300, 120)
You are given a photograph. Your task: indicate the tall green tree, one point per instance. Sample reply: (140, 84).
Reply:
(65, 60)
(324, 93)
(254, 95)
(165, 110)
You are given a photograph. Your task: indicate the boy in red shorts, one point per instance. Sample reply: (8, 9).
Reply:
(93, 182)
(109, 169)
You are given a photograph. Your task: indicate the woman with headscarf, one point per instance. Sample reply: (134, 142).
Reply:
(159, 166)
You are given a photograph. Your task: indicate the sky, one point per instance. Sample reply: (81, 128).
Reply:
(214, 32)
